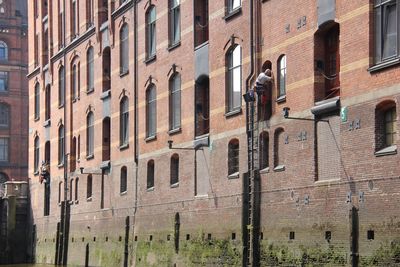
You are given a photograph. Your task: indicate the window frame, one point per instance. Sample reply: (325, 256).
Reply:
(124, 121)
(392, 122)
(282, 79)
(230, 80)
(90, 69)
(151, 42)
(89, 186)
(5, 148)
(230, 8)
(175, 102)
(37, 102)
(151, 111)
(174, 33)
(150, 175)
(61, 87)
(4, 75)
(36, 154)
(123, 180)
(61, 145)
(4, 47)
(90, 135)
(124, 49)
(233, 157)
(4, 118)
(174, 170)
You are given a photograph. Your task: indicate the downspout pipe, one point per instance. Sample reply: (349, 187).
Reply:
(136, 111)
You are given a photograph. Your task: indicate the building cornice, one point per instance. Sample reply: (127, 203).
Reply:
(122, 9)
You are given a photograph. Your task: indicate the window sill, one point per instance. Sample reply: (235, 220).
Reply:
(60, 165)
(47, 123)
(150, 138)
(232, 113)
(89, 199)
(123, 73)
(279, 168)
(36, 119)
(173, 46)
(124, 146)
(105, 94)
(233, 13)
(175, 131)
(265, 170)
(60, 106)
(391, 150)
(89, 157)
(36, 173)
(91, 90)
(76, 202)
(150, 59)
(123, 193)
(175, 185)
(281, 99)
(200, 45)
(233, 175)
(150, 189)
(384, 65)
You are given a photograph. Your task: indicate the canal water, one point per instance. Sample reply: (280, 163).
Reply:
(27, 265)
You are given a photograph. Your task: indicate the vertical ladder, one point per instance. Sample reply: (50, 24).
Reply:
(253, 148)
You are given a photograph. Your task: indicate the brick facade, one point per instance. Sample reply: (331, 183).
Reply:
(324, 181)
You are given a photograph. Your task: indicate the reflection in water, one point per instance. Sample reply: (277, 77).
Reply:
(27, 265)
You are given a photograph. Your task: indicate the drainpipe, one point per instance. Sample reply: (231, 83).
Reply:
(136, 115)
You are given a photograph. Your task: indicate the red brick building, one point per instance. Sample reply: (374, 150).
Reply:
(13, 91)
(136, 110)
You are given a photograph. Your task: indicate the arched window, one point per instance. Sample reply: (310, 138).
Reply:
(264, 150)
(385, 129)
(61, 87)
(174, 22)
(151, 32)
(123, 180)
(279, 153)
(150, 174)
(90, 135)
(106, 69)
(90, 69)
(37, 101)
(61, 145)
(3, 51)
(282, 76)
(4, 116)
(89, 184)
(175, 102)
(151, 111)
(234, 78)
(174, 169)
(47, 103)
(124, 49)
(233, 157)
(124, 121)
(36, 155)
(76, 189)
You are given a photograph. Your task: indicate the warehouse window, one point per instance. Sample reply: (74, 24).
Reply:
(89, 13)
(234, 78)
(124, 121)
(233, 5)
(3, 81)
(281, 76)
(151, 32)
(124, 49)
(61, 145)
(150, 174)
(174, 175)
(37, 101)
(90, 69)
(71, 186)
(90, 134)
(123, 180)
(233, 157)
(60, 188)
(4, 115)
(385, 127)
(106, 69)
(61, 87)
(386, 15)
(174, 22)
(47, 150)
(106, 143)
(4, 149)
(264, 150)
(89, 183)
(47, 96)
(3, 51)
(74, 20)
(200, 22)
(36, 154)
(202, 106)
(151, 111)
(175, 102)
(76, 189)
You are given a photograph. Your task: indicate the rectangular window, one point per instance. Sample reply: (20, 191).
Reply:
(36, 52)
(3, 81)
(89, 14)
(74, 20)
(200, 22)
(4, 149)
(151, 32)
(60, 24)
(386, 16)
(175, 22)
(233, 5)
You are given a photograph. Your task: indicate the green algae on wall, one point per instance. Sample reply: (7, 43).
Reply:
(386, 255)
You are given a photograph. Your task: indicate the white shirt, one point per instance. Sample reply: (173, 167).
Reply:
(263, 78)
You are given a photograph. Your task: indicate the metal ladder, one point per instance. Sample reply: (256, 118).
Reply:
(253, 164)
